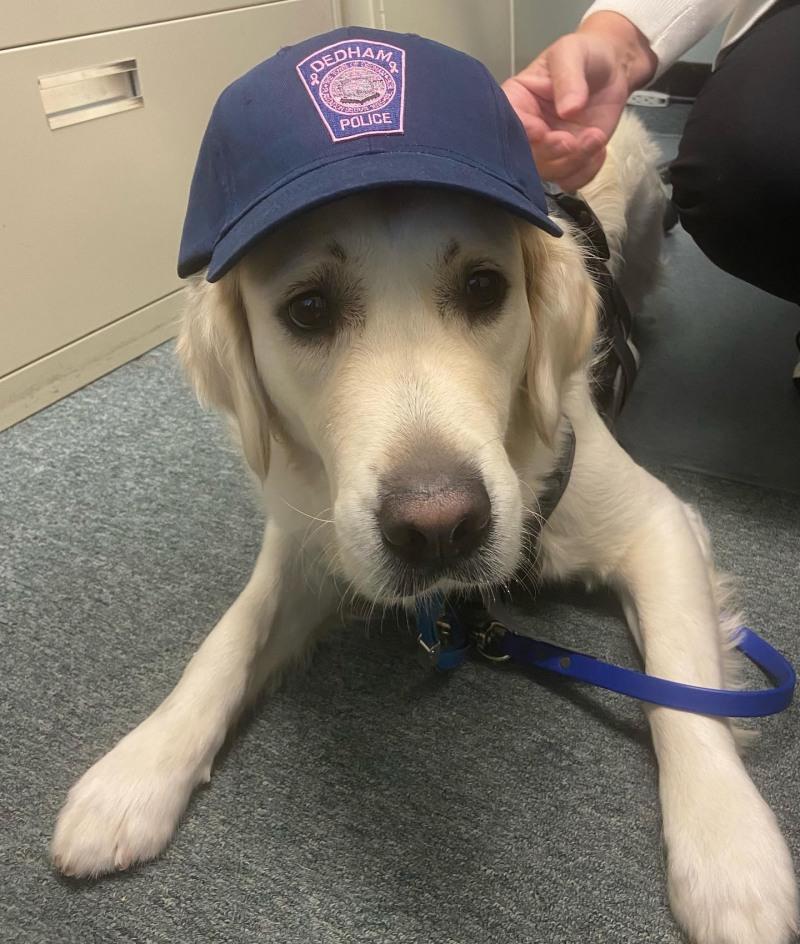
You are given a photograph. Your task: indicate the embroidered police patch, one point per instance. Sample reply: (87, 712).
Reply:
(357, 87)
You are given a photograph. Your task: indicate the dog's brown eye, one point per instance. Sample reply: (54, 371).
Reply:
(484, 289)
(309, 312)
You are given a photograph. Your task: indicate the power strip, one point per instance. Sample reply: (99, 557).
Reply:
(649, 99)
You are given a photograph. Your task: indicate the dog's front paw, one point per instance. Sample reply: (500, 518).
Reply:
(125, 808)
(731, 879)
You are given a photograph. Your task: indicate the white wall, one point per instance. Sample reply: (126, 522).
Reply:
(479, 27)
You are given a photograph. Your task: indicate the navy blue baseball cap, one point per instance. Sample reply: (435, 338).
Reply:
(351, 110)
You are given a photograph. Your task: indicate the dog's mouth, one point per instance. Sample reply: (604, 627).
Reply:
(408, 594)
(386, 579)
(411, 583)
(401, 584)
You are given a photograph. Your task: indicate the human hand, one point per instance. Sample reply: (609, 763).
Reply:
(570, 98)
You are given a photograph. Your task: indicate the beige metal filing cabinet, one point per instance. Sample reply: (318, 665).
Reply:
(92, 206)
(102, 107)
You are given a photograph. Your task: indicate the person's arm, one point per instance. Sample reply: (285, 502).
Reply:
(670, 26)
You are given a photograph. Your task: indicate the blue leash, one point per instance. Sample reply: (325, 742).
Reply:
(447, 635)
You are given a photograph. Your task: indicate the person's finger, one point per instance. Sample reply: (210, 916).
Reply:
(559, 144)
(560, 170)
(564, 145)
(536, 123)
(556, 171)
(515, 91)
(571, 166)
(536, 129)
(591, 139)
(586, 173)
(565, 60)
(536, 79)
(527, 108)
(552, 151)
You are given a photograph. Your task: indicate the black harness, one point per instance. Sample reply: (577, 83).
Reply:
(615, 373)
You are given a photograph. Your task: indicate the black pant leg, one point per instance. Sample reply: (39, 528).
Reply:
(736, 180)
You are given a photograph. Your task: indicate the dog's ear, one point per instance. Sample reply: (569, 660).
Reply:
(216, 350)
(563, 303)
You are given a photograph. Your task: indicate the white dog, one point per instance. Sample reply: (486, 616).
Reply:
(398, 370)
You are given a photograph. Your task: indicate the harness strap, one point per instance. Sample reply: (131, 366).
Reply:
(559, 479)
(616, 372)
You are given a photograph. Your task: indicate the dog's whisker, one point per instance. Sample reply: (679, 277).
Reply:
(533, 495)
(310, 535)
(305, 514)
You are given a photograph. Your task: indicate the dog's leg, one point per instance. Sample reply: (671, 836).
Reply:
(126, 807)
(731, 879)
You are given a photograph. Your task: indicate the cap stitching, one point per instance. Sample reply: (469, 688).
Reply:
(296, 174)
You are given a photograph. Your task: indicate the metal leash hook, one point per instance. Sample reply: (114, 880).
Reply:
(448, 634)
(429, 651)
(488, 641)
(442, 641)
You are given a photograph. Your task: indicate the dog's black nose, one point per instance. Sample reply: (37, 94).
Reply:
(430, 524)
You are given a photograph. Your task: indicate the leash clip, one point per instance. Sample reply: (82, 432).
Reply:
(487, 641)
(428, 654)
(432, 651)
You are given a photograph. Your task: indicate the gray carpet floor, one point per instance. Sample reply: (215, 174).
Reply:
(365, 801)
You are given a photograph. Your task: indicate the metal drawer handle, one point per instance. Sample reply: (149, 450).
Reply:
(92, 92)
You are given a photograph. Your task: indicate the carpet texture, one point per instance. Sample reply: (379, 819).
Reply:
(365, 801)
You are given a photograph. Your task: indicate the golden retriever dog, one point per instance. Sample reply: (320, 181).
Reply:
(399, 369)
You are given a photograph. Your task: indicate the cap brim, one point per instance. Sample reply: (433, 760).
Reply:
(367, 172)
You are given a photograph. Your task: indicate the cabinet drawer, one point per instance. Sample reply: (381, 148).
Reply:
(37, 21)
(92, 211)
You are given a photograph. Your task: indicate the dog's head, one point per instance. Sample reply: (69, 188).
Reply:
(408, 351)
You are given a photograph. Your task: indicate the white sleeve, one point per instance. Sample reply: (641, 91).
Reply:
(670, 26)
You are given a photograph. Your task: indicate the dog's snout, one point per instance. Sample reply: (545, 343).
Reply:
(435, 522)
